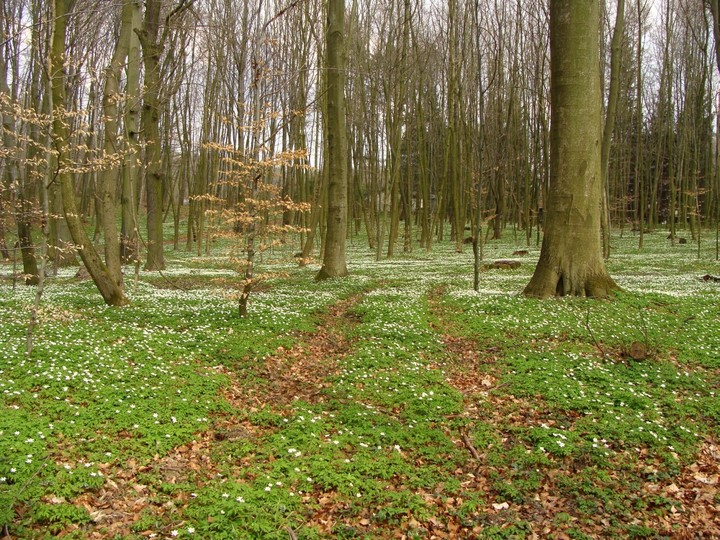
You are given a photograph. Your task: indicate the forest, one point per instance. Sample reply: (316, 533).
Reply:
(302, 269)
(217, 119)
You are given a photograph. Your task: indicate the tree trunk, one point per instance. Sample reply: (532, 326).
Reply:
(151, 126)
(334, 264)
(129, 243)
(111, 292)
(23, 219)
(613, 95)
(251, 195)
(6, 181)
(24, 208)
(571, 261)
(108, 187)
(639, 169)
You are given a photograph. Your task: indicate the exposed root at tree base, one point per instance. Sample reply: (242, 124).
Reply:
(552, 284)
(324, 274)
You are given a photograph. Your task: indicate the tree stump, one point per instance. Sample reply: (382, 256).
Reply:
(637, 351)
(82, 274)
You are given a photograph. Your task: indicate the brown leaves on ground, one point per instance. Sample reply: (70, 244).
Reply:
(471, 370)
(697, 490)
(301, 371)
(469, 367)
(126, 498)
(296, 373)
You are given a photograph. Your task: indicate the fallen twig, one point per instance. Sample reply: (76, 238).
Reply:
(473, 452)
(598, 346)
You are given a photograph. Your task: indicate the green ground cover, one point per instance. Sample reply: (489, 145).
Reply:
(396, 403)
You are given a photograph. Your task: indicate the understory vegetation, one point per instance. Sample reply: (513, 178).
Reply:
(394, 403)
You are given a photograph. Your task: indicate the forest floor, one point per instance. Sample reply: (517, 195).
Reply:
(395, 403)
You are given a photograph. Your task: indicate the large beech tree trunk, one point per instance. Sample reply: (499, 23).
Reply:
(129, 241)
(571, 260)
(110, 290)
(715, 11)
(334, 264)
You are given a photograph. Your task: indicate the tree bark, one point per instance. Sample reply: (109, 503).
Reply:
(14, 180)
(613, 95)
(639, 170)
(571, 261)
(129, 243)
(111, 292)
(334, 264)
(715, 10)
(108, 188)
(5, 177)
(151, 126)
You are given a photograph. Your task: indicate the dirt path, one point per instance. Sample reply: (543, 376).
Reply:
(290, 374)
(500, 488)
(301, 371)
(475, 370)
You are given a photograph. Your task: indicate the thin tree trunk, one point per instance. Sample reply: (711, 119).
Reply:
(24, 209)
(639, 169)
(109, 289)
(613, 95)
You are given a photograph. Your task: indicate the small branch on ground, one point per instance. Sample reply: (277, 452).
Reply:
(468, 443)
(592, 335)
